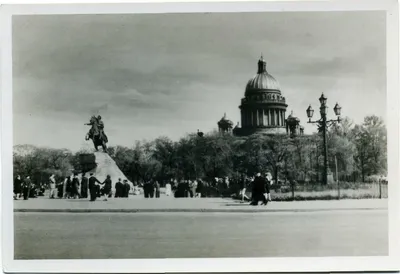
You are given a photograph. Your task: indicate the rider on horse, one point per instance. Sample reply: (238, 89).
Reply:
(97, 129)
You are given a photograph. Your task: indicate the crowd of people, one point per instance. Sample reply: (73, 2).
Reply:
(72, 187)
(83, 187)
(22, 187)
(258, 185)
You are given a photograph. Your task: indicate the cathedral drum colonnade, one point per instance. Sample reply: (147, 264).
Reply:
(263, 109)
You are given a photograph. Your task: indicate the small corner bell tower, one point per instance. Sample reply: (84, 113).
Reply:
(225, 125)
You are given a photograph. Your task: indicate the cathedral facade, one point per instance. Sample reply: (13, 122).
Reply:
(263, 108)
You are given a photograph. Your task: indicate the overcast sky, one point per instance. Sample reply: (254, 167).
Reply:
(152, 75)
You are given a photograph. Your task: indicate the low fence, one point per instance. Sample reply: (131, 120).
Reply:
(341, 190)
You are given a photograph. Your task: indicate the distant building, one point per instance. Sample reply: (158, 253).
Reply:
(293, 127)
(225, 125)
(263, 108)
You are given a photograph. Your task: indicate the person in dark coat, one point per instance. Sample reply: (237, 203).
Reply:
(180, 190)
(99, 190)
(152, 186)
(106, 190)
(68, 188)
(84, 186)
(41, 189)
(26, 187)
(259, 189)
(126, 188)
(119, 189)
(148, 188)
(200, 188)
(157, 189)
(60, 188)
(93, 188)
(17, 187)
(33, 191)
(187, 188)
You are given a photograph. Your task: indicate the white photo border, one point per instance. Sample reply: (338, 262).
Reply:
(305, 264)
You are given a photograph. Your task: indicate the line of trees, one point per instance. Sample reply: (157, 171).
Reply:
(360, 150)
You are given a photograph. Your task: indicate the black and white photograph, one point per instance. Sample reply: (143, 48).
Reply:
(154, 132)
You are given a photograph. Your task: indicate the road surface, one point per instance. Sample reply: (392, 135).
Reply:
(200, 235)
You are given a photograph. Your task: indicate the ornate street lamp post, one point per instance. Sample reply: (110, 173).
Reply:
(323, 125)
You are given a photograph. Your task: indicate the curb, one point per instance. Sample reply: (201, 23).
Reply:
(186, 210)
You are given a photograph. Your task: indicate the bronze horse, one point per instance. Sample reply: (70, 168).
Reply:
(97, 135)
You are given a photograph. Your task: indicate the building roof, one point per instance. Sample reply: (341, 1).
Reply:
(262, 81)
(292, 117)
(225, 122)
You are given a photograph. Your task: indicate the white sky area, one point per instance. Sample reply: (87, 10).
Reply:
(171, 74)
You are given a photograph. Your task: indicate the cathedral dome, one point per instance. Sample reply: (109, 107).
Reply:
(262, 81)
(263, 108)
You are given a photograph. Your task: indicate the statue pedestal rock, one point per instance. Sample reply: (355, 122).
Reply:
(101, 164)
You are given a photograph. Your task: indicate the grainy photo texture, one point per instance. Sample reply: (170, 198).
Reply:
(199, 135)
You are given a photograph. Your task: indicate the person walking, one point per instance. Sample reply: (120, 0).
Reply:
(168, 189)
(26, 188)
(126, 188)
(107, 187)
(52, 182)
(75, 186)
(157, 188)
(146, 189)
(151, 188)
(119, 189)
(136, 188)
(193, 188)
(259, 189)
(187, 188)
(17, 187)
(268, 182)
(84, 186)
(68, 188)
(64, 186)
(60, 189)
(199, 189)
(242, 186)
(93, 187)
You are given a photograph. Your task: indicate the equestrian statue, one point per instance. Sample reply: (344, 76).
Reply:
(96, 133)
